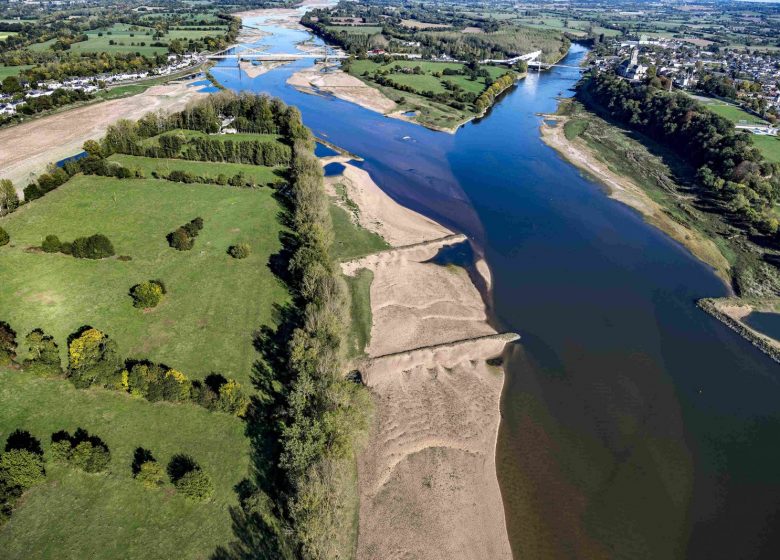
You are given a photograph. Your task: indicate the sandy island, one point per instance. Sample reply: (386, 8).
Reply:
(626, 191)
(26, 149)
(427, 478)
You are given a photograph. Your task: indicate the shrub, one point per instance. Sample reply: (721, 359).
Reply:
(51, 244)
(95, 246)
(93, 359)
(157, 382)
(66, 248)
(7, 343)
(196, 485)
(43, 355)
(239, 251)
(147, 294)
(151, 474)
(21, 468)
(183, 238)
(232, 398)
(4, 237)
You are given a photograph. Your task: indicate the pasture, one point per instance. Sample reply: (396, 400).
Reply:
(74, 515)
(214, 302)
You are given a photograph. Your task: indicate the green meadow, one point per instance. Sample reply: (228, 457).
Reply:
(214, 302)
(74, 515)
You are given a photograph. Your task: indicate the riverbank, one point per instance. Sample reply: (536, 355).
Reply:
(427, 478)
(26, 149)
(732, 312)
(606, 153)
(624, 189)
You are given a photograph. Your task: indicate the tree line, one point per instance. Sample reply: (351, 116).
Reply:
(731, 170)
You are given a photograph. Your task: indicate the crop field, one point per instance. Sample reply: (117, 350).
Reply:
(214, 302)
(769, 146)
(263, 176)
(74, 515)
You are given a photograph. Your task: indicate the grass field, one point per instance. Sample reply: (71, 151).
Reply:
(731, 112)
(769, 146)
(6, 71)
(355, 29)
(261, 175)
(74, 515)
(429, 112)
(125, 39)
(189, 134)
(214, 302)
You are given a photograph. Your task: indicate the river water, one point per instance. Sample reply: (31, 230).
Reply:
(633, 424)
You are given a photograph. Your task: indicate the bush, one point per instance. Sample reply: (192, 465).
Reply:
(239, 251)
(196, 485)
(151, 474)
(183, 238)
(7, 343)
(43, 354)
(180, 240)
(51, 244)
(95, 246)
(21, 468)
(147, 294)
(93, 359)
(66, 248)
(4, 237)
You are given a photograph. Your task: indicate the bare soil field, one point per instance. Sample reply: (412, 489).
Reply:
(26, 149)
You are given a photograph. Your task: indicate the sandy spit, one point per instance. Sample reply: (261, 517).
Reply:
(380, 213)
(341, 85)
(255, 70)
(26, 149)
(626, 191)
(427, 478)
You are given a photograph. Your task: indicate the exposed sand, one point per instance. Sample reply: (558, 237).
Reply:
(341, 85)
(428, 485)
(26, 149)
(626, 191)
(381, 214)
(255, 70)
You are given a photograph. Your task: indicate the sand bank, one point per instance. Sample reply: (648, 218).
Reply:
(341, 85)
(26, 149)
(626, 191)
(255, 70)
(427, 479)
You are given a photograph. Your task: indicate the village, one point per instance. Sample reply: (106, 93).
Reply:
(750, 80)
(10, 103)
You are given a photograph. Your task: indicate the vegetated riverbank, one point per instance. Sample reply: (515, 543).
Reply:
(427, 479)
(26, 149)
(658, 185)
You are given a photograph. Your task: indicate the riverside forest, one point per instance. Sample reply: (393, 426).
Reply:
(325, 279)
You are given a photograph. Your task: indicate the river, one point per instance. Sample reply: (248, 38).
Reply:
(633, 424)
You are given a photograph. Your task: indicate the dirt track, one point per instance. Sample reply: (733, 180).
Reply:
(26, 149)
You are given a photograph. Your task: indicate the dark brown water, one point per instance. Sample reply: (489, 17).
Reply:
(634, 425)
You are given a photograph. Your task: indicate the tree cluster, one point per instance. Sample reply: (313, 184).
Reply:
(81, 450)
(730, 168)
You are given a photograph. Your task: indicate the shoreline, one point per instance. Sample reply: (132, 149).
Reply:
(626, 191)
(431, 455)
(728, 310)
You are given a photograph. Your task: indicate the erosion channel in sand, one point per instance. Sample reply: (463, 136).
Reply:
(427, 478)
